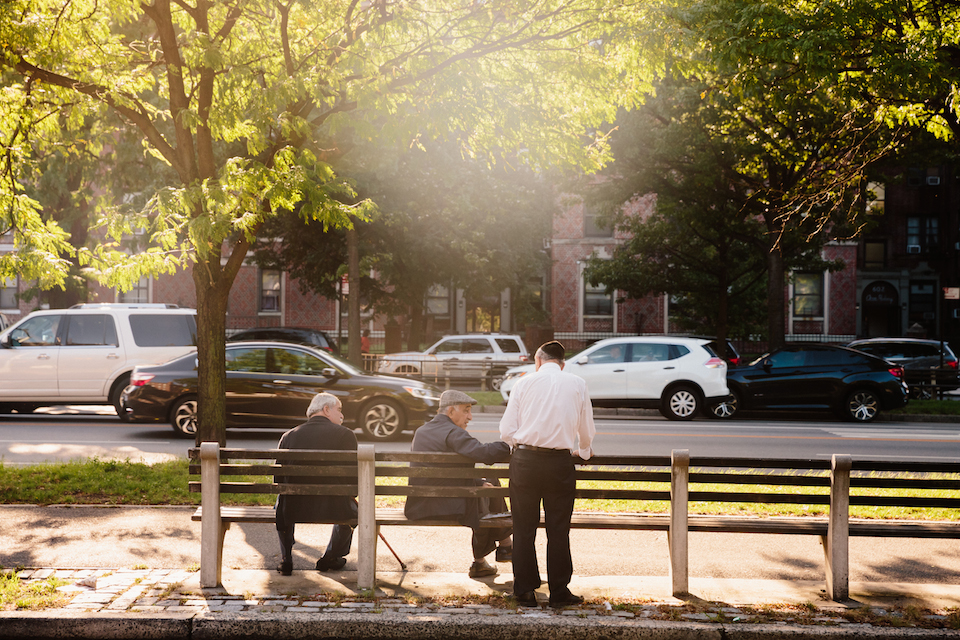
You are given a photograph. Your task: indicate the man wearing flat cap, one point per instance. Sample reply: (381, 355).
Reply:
(448, 432)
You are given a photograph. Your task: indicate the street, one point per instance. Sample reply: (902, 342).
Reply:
(46, 437)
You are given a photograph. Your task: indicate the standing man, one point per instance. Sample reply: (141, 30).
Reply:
(448, 432)
(548, 421)
(322, 430)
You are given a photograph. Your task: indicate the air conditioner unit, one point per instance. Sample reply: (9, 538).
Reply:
(913, 248)
(933, 181)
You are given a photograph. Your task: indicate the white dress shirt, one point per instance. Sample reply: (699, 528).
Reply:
(550, 408)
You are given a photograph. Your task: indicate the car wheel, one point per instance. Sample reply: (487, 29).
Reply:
(496, 379)
(862, 406)
(726, 409)
(183, 416)
(115, 394)
(680, 403)
(382, 419)
(921, 392)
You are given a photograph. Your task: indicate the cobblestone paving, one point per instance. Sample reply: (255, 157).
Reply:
(159, 591)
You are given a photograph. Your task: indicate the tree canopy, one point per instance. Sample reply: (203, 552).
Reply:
(251, 105)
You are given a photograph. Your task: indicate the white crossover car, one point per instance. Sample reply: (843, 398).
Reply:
(678, 376)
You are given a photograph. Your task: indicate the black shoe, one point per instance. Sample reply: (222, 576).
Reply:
(528, 599)
(330, 564)
(567, 601)
(285, 568)
(504, 554)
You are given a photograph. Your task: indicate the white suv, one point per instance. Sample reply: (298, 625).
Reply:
(678, 376)
(475, 356)
(84, 354)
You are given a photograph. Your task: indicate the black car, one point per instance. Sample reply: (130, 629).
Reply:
(927, 368)
(854, 384)
(296, 335)
(270, 385)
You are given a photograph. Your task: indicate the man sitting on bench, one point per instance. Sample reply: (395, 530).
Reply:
(448, 432)
(322, 430)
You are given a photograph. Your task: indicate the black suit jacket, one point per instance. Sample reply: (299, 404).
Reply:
(316, 433)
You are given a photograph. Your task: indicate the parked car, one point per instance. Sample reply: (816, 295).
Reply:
(270, 385)
(926, 367)
(84, 354)
(678, 376)
(463, 357)
(296, 335)
(854, 384)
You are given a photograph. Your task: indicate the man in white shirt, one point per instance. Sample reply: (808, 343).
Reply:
(548, 421)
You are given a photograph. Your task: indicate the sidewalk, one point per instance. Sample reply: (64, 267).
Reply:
(168, 603)
(131, 572)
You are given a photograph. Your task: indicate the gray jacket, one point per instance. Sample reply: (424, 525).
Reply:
(439, 435)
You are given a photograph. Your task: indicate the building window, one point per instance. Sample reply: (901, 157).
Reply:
(596, 300)
(808, 295)
(874, 254)
(594, 226)
(922, 234)
(140, 293)
(8, 293)
(270, 291)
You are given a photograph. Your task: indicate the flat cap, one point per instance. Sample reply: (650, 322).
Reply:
(452, 397)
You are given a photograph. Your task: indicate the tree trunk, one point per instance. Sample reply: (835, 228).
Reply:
(213, 289)
(353, 300)
(416, 325)
(776, 300)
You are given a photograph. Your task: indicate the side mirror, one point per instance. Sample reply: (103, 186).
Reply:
(767, 364)
(583, 360)
(329, 372)
(6, 342)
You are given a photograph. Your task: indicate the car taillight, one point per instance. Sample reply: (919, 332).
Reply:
(140, 379)
(714, 363)
(735, 362)
(896, 372)
(950, 364)
(524, 359)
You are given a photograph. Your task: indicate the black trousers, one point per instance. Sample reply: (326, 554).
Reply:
(547, 478)
(338, 547)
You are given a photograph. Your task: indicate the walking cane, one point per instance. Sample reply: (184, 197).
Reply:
(403, 567)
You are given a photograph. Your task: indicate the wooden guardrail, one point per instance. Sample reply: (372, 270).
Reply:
(828, 487)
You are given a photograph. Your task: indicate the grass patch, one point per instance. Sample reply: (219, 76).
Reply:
(486, 398)
(17, 595)
(135, 483)
(929, 408)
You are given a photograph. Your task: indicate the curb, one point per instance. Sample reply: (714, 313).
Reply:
(389, 626)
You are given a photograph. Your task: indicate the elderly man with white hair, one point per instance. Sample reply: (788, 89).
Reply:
(323, 430)
(448, 432)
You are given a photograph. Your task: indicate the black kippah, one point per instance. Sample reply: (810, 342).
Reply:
(554, 350)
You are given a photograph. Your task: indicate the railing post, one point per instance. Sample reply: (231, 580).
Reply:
(836, 546)
(366, 517)
(211, 528)
(677, 535)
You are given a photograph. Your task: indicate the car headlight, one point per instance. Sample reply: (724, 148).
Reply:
(421, 392)
(515, 374)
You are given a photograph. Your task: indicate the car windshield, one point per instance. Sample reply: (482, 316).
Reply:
(342, 364)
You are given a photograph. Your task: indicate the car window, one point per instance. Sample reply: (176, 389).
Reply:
(37, 332)
(831, 358)
(609, 353)
(449, 346)
(783, 359)
(251, 360)
(509, 345)
(294, 363)
(158, 330)
(91, 330)
(477, 345)
(650, 353)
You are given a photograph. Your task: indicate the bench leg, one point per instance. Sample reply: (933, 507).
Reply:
(836, 544)
(677, 536)
(211, 555)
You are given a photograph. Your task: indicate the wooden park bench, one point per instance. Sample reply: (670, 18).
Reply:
(830, 486)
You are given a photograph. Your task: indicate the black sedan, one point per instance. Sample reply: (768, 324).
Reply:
(853, 384)
(270, 384)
